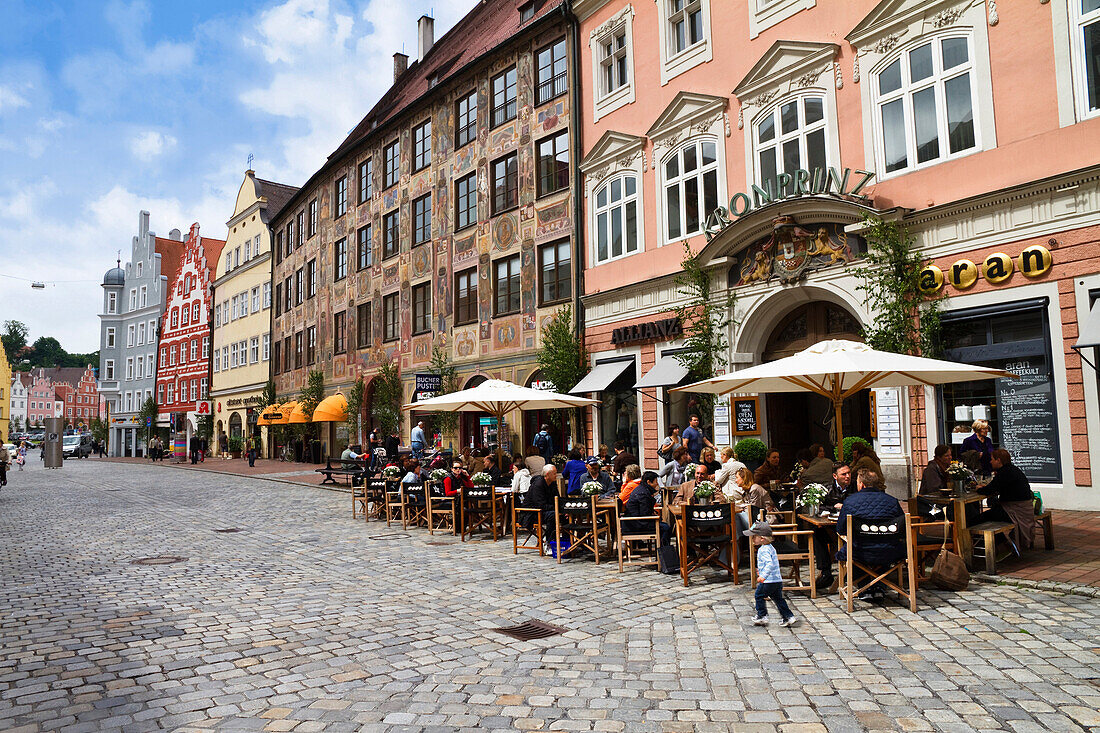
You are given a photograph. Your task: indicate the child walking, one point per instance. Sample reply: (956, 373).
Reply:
(769, 582)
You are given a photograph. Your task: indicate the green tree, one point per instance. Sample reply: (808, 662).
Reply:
(149, 411)
(46, 351)
(563, 359)
(98, 429)
(14, 339)
(906, 320)
(270, 396)
(388, 394)
(204, 427)
(311, 396)
(705, 320)
(441, 365)
(354, 421)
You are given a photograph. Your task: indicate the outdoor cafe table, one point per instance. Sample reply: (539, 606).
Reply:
(964, 544)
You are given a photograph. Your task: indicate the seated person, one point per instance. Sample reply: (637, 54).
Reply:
(414, 475)
(574, 472)
(730, 464)
(840, 487)
(642, 503)
(351, 453)
(604, 455)
(491, 468)
(534, 461)
(825, 539)
(632, 476)
(750, 493)
(871, 502)
(542, 495)
(686, 493)
(672, 473)
(816, 468)
(707, 458)
(456, 480)
(623, 458)
(521, 476)
(768, 471)
(934, 478)
(1010, 499)
(594, 472)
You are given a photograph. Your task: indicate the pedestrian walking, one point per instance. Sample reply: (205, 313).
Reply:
(203, 445)
(21, 455)
(5, 461)
(252, 451)
(769, 581)
(418, 441)
(193, 446)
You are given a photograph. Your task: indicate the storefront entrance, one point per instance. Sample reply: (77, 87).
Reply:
(556, 420)
(796, 420)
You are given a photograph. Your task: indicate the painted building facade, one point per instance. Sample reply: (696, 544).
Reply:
(5, 397)
(80, 400)
(242, 309)
(901, 110)
(445, 220)
(20, 387)
(133, 303)
(183, 371)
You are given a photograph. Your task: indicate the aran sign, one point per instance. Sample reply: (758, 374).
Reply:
(817, 182)
(996, 269)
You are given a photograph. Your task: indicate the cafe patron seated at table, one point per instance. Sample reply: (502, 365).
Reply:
(871, 502)
(769, 470)
(686, 494)
(642, 502)
(1010, 498)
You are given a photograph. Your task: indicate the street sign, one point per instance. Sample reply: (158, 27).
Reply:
(148, 422)
(203, 407)
(429, 383)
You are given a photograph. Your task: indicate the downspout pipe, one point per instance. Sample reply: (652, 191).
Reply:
(578, 177)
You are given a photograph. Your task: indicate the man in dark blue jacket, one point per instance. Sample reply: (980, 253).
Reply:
(871, 502)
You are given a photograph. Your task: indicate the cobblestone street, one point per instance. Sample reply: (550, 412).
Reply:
(306, 619)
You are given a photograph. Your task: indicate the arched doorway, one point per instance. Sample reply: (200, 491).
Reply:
(557, 421)
(797, 420)
(236, 429)
(478, 429)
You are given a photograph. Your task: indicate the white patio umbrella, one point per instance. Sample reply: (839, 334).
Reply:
(837, 370)
(498, 398)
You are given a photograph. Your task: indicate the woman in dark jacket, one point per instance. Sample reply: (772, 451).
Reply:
(1010, 498)
(642, 503)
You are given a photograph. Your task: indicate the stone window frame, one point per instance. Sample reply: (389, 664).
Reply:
(605, 102)
(672, 65)
(614, 155)
(1069, 72)
(896, 28)
(764, 14)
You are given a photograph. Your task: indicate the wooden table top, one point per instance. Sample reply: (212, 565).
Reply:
(818, 521)
(967, 498)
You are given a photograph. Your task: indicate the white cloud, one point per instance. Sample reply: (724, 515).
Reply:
(151, 144)
(11, 100)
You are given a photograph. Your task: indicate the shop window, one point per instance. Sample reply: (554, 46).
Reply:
(552, 72)
(616, 218)
(466, 119)
(466, 296)
(553, 163)
(619, 412)
(690, 188)
(925, 105)
(789, 137)
(391, 317)
(507, 285)
(1021, 412)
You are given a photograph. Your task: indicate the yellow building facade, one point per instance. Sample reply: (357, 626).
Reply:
(240, 361)
(5, 396)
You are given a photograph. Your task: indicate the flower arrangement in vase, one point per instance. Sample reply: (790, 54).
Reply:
(704, 490)
(560, 460)
(689, 471)
(438, 474)
(960, 476)
(391, 472)
(811, 497)
(591, 488)
(481, 479)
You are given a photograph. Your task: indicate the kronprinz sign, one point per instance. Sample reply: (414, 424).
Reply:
(817, 182)
(666, 329)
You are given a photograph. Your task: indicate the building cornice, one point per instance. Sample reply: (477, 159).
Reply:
(243, 269)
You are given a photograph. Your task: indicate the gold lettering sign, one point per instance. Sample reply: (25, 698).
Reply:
(930, 280)
(997, 268)
(964, 274)
(1036, 261)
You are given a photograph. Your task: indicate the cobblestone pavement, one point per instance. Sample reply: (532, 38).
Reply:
(307, 620)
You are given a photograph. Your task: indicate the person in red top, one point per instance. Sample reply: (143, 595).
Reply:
(457, 480)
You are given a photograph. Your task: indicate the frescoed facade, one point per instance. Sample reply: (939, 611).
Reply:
(242, 310)
(5, 397)
(445, 220)
(902, 110)
(183, 371)
(133, 303)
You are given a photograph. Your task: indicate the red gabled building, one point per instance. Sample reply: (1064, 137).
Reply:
(183, 364)
(81, 400)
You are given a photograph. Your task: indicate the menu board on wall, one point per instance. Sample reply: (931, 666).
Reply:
(1029, 429)
(722, 422)
(745, 416)
(888, 421)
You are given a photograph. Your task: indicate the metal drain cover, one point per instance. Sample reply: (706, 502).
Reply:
(161, 560)
(529, 630)
(227, 530)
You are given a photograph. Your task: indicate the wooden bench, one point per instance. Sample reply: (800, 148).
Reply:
(1046, 521)
(988, 531)
(328, 471)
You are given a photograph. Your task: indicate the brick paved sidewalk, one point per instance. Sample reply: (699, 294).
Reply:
(1075, 561)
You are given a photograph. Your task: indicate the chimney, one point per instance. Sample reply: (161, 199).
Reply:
(174, 234)
(425, 35)
(400, 63)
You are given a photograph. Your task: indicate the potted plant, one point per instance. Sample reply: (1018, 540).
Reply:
(751, 452)
(848, 443)
(689, 471)
(811, 497)
(391, 472)
(481, 479)
(438, 474)
(704, 490)
(960, 476)
(236, 445)
(591, 488)
(560, 459)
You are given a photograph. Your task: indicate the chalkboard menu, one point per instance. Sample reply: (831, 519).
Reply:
(1029, 427)
(744, 417)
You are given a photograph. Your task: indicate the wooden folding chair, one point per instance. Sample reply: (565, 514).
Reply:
(375, 491)
(441, 509)
(534, 532)
(900, 576)
(478, 510)
(708, 530)
(578, 522)
(414, 506)
(394, 510)
(646, 530)
(928, 538)
(359, 500)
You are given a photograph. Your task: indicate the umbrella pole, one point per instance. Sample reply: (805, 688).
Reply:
(838, 409)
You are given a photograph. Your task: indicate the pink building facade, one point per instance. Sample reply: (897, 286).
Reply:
(183, 368)
(761, 134)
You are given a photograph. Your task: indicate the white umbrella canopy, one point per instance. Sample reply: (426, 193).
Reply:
(838, 369)
(498, 398)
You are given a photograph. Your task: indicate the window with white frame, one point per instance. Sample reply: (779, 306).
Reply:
(139, 367)
(110, 339)
(133, 298)
(130, 335)
(143, 296)
(194, 349)
(129, 368)
(616, 216)
(254, 350)
(109, 369)
(1085, 52)
(614, 63)
(690, 188)
(763, 14)
(205, 346)
(266, 346)
(789, 137)
(112, 302)
(925, 105)
(256, 299)
(685, 37)
(266, 295)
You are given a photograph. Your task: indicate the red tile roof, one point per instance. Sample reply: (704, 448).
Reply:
(212, 248)
(171, 252)
(277, 195)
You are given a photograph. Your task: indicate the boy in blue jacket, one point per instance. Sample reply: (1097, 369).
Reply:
(769, 582)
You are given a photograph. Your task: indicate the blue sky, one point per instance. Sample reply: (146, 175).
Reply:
(107, 108)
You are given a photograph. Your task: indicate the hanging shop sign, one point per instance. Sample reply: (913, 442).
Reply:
(822, 181)
(996, 269)
(429, 382)
(665, 329)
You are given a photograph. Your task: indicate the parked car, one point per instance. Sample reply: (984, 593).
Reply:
(76, 446)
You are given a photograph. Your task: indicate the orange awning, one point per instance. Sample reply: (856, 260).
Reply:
(267, 415)
(331, 409)
(298, 414)
(285, 411)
